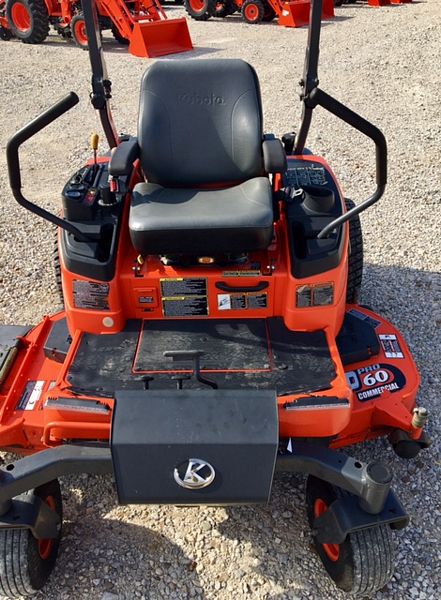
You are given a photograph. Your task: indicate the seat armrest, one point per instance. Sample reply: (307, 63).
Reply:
(123, 157)
(274, 157)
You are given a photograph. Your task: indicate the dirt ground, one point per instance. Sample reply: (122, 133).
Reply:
(385, 63)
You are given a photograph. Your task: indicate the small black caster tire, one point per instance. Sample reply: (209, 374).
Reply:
(364, 562)
(25, 562)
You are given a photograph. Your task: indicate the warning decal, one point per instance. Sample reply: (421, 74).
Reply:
(91, 295)
(374, 380)
(241, 301)
(391, 346)
(184, 297)
(31, 395)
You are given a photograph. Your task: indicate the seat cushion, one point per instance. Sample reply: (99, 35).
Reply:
(193, 221)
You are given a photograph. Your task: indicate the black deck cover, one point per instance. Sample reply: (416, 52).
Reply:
(247, 353)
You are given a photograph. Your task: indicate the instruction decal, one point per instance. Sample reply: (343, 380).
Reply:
(374, 380)
(184, 297)
(391, 346)
(91, 295)
(31, 395)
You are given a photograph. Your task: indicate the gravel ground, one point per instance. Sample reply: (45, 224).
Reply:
(385, 64)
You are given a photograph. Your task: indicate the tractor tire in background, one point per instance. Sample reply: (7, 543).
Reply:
(118, 37)
(5, 34)
(269, 14)
(355, 266)
(79, 33)
(224, 8)
(25, 562)
(253, 11)
(201, 10)
(28, 19)
(364, 562)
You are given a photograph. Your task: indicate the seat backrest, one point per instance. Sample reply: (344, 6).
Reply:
(200, 122)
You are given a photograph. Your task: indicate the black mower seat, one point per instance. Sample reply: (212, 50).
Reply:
(236, 219)
(200, 129)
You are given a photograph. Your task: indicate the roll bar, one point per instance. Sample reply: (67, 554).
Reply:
(101, 84)
(311, 96)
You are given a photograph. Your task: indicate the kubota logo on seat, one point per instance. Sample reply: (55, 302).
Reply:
(194, 474)
(208, 100)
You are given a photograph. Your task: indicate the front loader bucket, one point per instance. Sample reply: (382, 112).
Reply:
(295, 13)
(158, 38)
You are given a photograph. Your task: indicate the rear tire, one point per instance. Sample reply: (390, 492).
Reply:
(201, 10)
(355, 261)
(224, 8)
(118, 37)
(79, 33)
(269, 14)
(5, 34)
(25, 562)
(364, 562)
(28, 19)
(253, 11)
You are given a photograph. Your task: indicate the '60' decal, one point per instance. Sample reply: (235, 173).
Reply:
(374, 380)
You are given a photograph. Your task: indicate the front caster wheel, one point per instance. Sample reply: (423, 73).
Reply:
(25, 562)
(364, 562)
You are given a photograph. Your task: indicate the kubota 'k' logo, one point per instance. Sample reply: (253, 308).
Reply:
(194, 474)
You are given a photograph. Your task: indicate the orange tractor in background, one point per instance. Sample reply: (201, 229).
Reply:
(289, 13)
(141, 24)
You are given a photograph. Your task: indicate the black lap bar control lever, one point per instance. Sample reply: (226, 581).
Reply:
(28, 131)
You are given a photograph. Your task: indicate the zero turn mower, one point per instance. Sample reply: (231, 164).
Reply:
(211, 334)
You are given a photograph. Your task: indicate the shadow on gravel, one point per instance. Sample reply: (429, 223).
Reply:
(101, 553)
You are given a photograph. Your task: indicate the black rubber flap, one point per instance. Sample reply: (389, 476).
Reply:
(163, 439)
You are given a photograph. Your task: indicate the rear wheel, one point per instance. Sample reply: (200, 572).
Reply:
(201, 10)
(118, 37)
(224, 8)
(79, 33)
(363, 563)
(269, 14)
(253, 11)
(355, 266)
(25, 562)
(28, 19)
(5, 34)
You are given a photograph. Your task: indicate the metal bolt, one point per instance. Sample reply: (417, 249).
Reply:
(420, 416)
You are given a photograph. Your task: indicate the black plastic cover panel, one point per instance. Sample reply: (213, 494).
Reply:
(156, 434)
